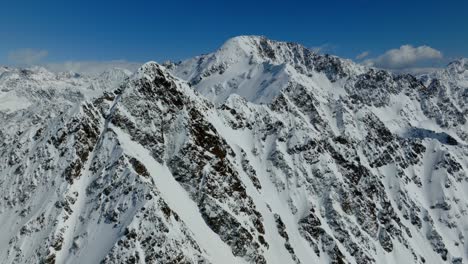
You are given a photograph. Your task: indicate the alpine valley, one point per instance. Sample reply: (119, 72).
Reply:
(261, 152)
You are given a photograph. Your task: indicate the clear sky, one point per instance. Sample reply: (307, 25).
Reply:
(57, 31)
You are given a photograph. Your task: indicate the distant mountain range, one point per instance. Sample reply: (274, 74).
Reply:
(260, 152)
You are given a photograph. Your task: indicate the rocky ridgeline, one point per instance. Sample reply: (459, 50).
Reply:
(325, 162)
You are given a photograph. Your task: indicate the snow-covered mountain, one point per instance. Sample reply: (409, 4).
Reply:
(258, 69)
(261, 152)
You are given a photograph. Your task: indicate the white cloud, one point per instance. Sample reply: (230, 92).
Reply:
(362, 55)
(27, 56)
(324, 48)
(406, 56)
(30, 57)
(92, 67)
(317, 49)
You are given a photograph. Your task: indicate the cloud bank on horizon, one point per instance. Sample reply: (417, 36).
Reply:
(27, 56)
(33, 57)
(362, 55)
(405, 57)
(92, 67)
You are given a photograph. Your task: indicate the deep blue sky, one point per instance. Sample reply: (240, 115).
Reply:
(160, 30)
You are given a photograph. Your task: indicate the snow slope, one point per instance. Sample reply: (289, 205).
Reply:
(261, 152)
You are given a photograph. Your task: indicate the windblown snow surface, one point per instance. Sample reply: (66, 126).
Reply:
(261, 152)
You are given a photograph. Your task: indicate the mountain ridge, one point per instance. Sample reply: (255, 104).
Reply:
(339, 164)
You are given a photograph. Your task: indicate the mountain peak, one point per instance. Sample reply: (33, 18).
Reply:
(149, 70)
(253, 63)
(35, 73)
(245, 42)
(259, 48)
(243, 39)
(238, 48)
(460, 65)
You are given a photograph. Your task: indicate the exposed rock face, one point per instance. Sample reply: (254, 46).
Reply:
(338, 164)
